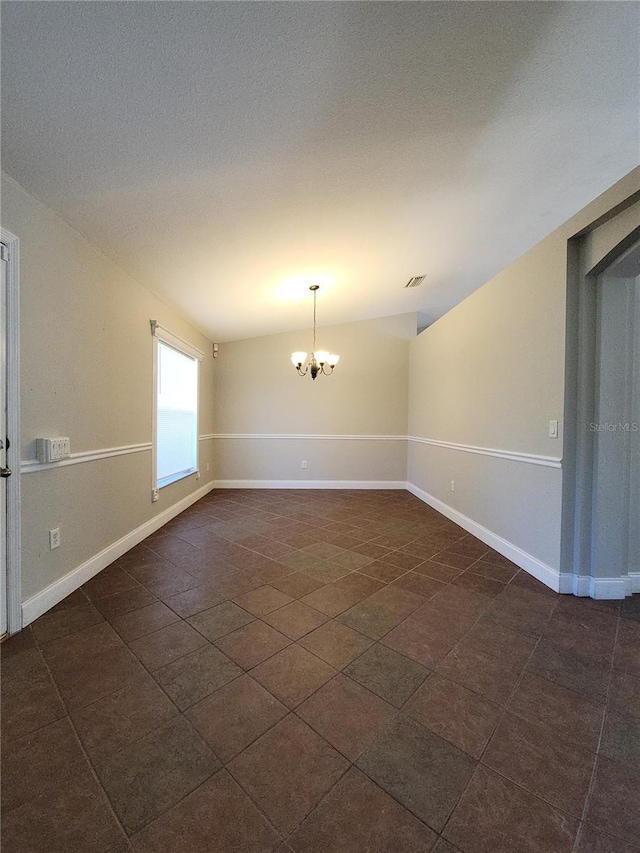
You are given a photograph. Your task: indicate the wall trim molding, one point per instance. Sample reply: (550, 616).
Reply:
(511, 455)
(499, 453)
(51, 595)
(601, 588)
(168, 337)
(544, 573)
(28, 466)
(304, 436)
(309, 484)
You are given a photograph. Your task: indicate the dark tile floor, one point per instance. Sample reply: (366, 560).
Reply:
(317, 672)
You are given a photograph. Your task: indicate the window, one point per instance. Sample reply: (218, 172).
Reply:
(175, 440)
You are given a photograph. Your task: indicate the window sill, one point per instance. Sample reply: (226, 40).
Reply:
(167, 481)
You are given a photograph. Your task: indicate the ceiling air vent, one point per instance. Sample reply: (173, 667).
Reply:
(416, 281)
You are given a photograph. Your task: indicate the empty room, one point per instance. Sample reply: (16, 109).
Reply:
(320, 439)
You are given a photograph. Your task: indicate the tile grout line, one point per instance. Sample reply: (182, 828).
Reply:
(350, 763)
(399, 711)
(502, 715)
(222, 769)
(179, 713)
(294, 642)
(283, 835)
(87, 759)
(184, 619)
(592, 780)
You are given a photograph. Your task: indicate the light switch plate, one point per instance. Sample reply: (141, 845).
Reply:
(553, 429)
(53, 449)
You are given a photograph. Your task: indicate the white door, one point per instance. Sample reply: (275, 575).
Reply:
(3, 441)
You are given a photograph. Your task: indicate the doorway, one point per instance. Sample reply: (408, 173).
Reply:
(10, 587)
(5, 471)
(601, 489)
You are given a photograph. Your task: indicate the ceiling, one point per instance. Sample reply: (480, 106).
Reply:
(228, 155)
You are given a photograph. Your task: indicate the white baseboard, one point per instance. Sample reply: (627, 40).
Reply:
(563, 582)
(601, 588)
(609, 587)
(42, 601)
(546, 574)
(575, 585)
(309, 484)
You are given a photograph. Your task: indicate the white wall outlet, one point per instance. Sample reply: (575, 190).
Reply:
(197, 475)
(303, 464)
(155, 494)
(553, 429)
(453, 485)
(207, 466)
(54, 538)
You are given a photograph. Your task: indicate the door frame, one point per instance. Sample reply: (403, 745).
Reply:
(580, 408)
(14, 581)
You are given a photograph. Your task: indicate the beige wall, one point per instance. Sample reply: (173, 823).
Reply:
(259, 393)
(490, 374)
(86, 373)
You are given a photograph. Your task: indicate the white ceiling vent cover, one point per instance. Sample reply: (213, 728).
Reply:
(416, 281)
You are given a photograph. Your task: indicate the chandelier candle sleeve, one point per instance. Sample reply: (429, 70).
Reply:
(320, 360)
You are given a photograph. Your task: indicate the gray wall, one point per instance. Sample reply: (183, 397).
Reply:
(616, 449)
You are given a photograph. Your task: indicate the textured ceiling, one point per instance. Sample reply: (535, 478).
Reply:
(230, 154)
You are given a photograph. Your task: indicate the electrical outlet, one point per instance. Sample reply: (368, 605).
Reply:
(197, 475)
(453, 485)
(54, 538)
(304, 464)
(155, 494)
(207, 466)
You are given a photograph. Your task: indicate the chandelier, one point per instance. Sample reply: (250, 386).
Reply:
(320, 361)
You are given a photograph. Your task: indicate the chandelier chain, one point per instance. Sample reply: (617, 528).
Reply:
(315, 293)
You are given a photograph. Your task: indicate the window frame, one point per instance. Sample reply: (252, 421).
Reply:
(162, 335)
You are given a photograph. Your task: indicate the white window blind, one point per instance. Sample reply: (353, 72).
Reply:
(176, 408)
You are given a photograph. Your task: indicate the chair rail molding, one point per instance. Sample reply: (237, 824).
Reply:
(499, 453)
(29, 466)
(301, 436)
(511, 455)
